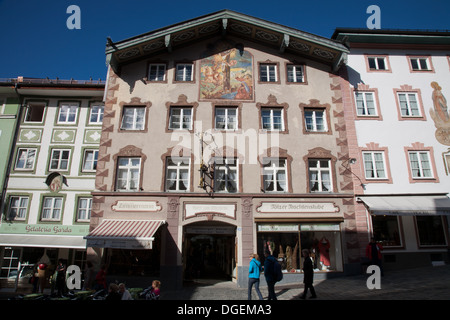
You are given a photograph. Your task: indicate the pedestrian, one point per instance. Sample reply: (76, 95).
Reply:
(254, 271)
(61, 277)
(113, 293)
(89, 273)
(100, 279)
(308, 275)
(269, 273)
(126, 295)
(373, 253)
(153, 292)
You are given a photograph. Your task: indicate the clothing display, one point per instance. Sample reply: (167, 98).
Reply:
(324, 249)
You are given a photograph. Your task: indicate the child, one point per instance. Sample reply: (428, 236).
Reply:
(153, 292)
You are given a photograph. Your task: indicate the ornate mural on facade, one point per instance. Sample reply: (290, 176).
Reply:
(227, 75)
(440, 115)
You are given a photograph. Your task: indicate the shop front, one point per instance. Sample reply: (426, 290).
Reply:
(413, 229)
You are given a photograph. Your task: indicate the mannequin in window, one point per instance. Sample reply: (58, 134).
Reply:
(324, 249)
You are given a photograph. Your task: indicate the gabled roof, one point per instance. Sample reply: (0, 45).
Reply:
(225, 23)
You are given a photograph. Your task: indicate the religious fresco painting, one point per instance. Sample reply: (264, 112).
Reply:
(227, 75)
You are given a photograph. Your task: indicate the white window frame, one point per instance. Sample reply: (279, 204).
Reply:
(313, 114)
(228, 167)
(54, 208)
(377, 60)
(96, 112)
(408, 109)
(84, 211)
(292, 72)
(268, 72)
(128, 166)
(90, 165)
(365, 110)
(320, 171)
(175, 168)
(28, 160)
(273, 167)
(182, 73)
(59, 159)
(156, 76)
(271, 118)
(68, 111)
(423, 165)
(20, 209)
(133, 113)
(227, 118)
(182, 124)
(375, 165)
(418, 62)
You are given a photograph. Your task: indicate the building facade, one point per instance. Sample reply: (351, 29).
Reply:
(223, 136)
(398, 121)
(48, 199)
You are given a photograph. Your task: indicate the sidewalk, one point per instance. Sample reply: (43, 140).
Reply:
(428, 283)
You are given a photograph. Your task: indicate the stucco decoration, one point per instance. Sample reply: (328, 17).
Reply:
(227, 75)
(440, 115)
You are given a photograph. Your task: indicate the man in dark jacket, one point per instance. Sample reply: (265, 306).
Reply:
(269, 274)
(308, 275)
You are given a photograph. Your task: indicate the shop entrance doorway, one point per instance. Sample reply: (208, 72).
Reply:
(209, 252)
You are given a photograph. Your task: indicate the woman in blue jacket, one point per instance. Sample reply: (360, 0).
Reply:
(254, 271)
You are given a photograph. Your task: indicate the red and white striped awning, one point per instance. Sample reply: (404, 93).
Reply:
(124, 234)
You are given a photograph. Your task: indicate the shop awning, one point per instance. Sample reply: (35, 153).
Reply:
(124, 234)
(42, 241)
(412, 205)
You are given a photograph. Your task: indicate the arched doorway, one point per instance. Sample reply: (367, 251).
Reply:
(209, 251)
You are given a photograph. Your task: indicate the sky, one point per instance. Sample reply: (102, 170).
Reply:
(36, 42)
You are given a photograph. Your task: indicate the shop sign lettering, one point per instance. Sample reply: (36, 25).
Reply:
(297, 207)
(140, 206)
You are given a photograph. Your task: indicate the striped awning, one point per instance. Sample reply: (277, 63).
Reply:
(124, 234)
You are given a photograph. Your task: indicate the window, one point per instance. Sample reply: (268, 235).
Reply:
(35, 112)
(25, 158)
(386, 230)
(226, 175)
(268, 73)
(17, 208)
(133, 118)
(68, 113)
(409, 106)
(90, 160)
(377, 63)
(157, 72)
(96, 116)
(320, 175)
(184, 72)
(84, 209)
(272, 119)
(128, 173)
(365, 104)
(315, 120)
(419, 64)
(10, 262)
(374, 166)
(59, 159)
(226, 118)
(275, 175)
(431, 231)
(295, 73)
(51, 208)
(180, 118)
(420, 164)
(177, 174)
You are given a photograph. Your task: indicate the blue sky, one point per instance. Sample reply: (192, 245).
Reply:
(35, 41)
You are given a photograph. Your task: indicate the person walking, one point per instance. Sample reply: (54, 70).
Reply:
(254, 271)
(308, 275)
(373, 253)
(61, 277)
(269, 273)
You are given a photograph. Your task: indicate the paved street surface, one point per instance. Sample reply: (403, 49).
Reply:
(429, 283)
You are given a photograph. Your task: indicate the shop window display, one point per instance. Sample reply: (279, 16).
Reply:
(287, 241)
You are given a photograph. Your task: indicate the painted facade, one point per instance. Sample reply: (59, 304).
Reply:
(53, 165)
(228, 132)
(397, 116)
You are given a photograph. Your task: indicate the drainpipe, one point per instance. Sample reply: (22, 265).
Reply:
(11, 153)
